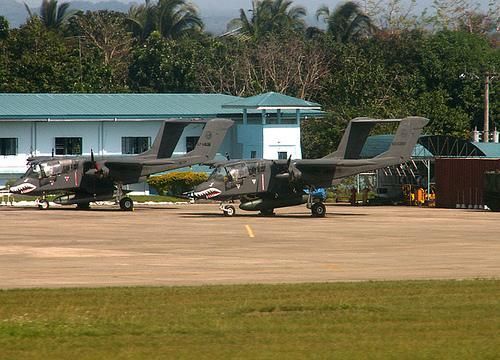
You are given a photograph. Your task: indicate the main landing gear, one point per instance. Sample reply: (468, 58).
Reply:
(318, 209)
(267, 212)
(126, 203)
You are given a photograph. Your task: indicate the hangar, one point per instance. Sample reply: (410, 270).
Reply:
(267, 125)
(451, 168)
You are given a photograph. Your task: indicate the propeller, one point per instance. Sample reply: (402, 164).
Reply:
(293, 174)
(96, 170)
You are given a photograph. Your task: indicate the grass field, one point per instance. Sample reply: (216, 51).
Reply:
(372, 320)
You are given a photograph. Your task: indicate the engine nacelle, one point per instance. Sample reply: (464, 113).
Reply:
(100, 172)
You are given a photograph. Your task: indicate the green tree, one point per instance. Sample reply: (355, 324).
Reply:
(443, 58)
(270, 17)
(52, 15)
(104, 49)
(347, 22)
(165, 65)
(171, 18)
(4, 28)
(287, 65)
(39, 60)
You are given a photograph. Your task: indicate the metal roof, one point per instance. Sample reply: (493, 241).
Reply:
(272, 101)
(97, 106)
(433, 146)
(377, 144)
(491, 150)
(122, 106)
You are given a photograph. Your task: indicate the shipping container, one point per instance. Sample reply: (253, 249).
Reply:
(460, 181)
(492, 189)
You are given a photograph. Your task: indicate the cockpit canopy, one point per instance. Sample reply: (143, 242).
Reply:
(235, 171)
(45, 169)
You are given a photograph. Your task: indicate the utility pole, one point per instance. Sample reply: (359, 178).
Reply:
(488, 78)
(486, 127)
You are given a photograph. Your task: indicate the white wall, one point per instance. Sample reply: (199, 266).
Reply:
(103, 137)
(21, 131)
(278, 138)
(250, 136)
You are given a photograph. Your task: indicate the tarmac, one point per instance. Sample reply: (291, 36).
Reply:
(195, 245)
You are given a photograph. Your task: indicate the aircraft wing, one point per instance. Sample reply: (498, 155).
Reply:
(328, 163)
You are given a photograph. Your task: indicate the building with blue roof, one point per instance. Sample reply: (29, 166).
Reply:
(119, 124)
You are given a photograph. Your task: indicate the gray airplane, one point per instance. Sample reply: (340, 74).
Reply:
(264, 185)
(80, 180)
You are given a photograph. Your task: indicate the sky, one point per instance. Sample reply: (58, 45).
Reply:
(216, 13)
(237, 4)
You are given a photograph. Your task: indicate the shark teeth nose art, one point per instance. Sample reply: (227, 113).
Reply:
(208, 193)
(23, 188)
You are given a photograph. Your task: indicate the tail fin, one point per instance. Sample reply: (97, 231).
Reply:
(357, 132)
(406, 138)
(166, 140)
(354, 138)
(210, 140)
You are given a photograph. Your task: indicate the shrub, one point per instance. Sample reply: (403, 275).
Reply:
(176, 183)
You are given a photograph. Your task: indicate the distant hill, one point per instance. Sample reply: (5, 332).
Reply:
(13, 11)
(16, 14)
(216, 14)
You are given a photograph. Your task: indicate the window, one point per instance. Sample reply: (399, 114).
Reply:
(253, 154)
(135, 145)
(191, 142)
(8, 146)
(282, 155)
(69, 146)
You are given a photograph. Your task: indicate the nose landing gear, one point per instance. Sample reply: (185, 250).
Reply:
(227, 210)
(43, 204)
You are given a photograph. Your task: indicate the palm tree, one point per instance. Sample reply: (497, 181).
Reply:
(51, 15)
(176, 17)
(171, 18)
(270, 16)
(142, 19)
(347, 23)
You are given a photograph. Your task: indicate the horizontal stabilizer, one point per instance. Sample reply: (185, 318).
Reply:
(166, 140)
(358, 130)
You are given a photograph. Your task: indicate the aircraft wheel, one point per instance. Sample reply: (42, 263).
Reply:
(318, 210)
(43, 205)
(267, 212)
(83, 206)
(229, 210)
(126, 204)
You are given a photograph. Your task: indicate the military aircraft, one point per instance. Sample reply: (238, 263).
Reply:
(264, 185)
(81, 180)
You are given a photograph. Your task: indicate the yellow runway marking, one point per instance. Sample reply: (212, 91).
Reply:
(249, 231)
(331, 266)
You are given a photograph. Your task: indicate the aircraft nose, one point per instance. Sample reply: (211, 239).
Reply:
(189, 194)
(22, 188)
(206, 191)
